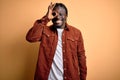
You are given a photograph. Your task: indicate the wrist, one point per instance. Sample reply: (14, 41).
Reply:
(45, 18)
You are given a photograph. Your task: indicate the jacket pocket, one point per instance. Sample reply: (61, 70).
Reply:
(48, 38)
(72, 45)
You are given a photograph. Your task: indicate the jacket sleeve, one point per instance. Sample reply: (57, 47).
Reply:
(81, 58)
(35, 33)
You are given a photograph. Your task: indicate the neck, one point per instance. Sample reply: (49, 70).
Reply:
(61, 27)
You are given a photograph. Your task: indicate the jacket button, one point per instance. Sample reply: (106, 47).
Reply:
(64, 68)
(64, 59)
(48, 35)
(65, 77)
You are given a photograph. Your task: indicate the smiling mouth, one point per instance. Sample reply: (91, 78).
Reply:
(58, 21)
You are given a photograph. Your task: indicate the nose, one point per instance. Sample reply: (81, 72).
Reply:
(57, 16)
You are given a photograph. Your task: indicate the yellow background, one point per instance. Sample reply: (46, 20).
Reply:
(98, 20)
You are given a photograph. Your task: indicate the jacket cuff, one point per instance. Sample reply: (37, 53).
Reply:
(44, 20)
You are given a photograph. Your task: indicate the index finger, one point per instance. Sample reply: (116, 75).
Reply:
(53, 5)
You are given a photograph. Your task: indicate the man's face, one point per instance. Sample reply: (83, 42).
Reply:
(60, 19)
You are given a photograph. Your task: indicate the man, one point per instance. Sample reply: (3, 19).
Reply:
(61, 54)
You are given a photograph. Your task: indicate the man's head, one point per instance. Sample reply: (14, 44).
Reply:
(61, 13)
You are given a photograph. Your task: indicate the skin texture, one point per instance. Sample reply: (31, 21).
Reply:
(57, 15)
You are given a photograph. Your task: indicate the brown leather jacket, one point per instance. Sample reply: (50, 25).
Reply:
(74, 59)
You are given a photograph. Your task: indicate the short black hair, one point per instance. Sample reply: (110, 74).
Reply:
(63, 6)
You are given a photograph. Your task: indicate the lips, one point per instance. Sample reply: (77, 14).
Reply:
(58, 21)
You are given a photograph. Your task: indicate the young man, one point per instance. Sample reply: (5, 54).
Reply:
(61, 54)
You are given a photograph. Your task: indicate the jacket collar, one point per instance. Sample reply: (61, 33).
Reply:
(67, 27)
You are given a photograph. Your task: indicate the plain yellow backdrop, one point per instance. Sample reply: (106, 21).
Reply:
(98, 20)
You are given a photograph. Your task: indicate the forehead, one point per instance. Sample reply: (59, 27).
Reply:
(59, 10)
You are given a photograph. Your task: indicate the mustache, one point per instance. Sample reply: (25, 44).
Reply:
(55, 19)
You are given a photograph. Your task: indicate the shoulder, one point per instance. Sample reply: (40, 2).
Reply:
(74, 29)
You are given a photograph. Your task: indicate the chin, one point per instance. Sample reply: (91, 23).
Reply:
(58, 25)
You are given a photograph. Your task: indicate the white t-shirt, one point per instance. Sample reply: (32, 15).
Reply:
(56, 71)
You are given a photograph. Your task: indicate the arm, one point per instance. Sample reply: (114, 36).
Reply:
(82, 58)
(35, 33)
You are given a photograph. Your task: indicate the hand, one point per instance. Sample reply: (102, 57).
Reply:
(50, 13)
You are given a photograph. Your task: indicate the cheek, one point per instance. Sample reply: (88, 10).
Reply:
(64, 18)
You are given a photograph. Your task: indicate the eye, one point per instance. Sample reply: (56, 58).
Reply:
(60, 14)
(54, 14)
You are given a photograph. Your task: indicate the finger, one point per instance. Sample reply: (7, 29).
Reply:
(50, 6)
(54, 13)
(53, 5)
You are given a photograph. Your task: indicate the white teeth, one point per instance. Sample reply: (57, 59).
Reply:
(58, 21)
